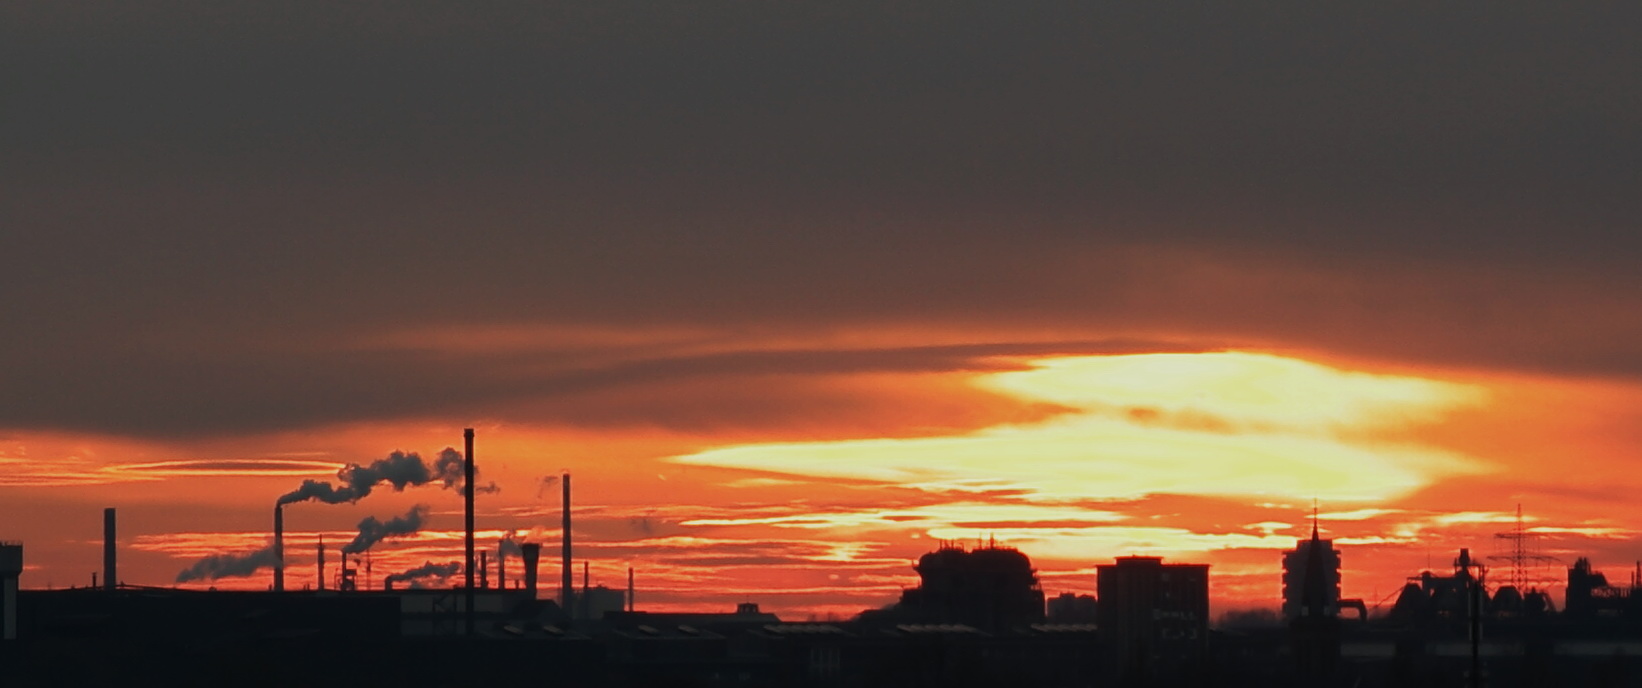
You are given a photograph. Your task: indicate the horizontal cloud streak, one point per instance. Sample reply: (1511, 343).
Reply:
(1088, 455)
(227, 468)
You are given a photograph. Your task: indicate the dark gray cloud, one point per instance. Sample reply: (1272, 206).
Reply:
(207, 203)
(239, 391)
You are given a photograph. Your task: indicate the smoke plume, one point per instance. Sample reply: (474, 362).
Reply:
(229, 565)
(508, 546)
(645, 524)
(400, 470)
(426, 570)
(448, 468)
(372, 531)
(547, 483)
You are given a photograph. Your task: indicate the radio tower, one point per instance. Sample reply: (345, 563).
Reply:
(1522, 553)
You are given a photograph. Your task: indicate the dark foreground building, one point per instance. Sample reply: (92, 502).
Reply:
(136, 636)
(991, 589)
(1154, 618)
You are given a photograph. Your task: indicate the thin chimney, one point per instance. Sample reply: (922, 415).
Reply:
(110, 577)
(484, 569)
(467, 490)
(567, 585)
(630, 588)
(501, 569)
(279, 548)
(321, 560)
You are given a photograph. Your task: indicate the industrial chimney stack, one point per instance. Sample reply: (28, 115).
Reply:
(567, 589)
(467, 493)
(532, 553)
(110, 576)
(279, 548)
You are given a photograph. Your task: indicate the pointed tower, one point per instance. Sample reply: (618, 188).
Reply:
(1315, 632)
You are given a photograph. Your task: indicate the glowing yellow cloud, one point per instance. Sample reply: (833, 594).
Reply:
(1245, 424)
(1235, 390)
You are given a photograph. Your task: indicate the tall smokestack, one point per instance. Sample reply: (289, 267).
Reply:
(279, 548)
(630, 588)
(532, 552)
(467, 493)
(321, 561)
(484, 569)
(110, 576)
(567, 588)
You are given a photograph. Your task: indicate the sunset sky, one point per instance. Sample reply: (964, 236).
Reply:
(797, 291)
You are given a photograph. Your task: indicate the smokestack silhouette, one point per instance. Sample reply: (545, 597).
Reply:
(279, 548)
(110, 580)
(321, 560)
(567, 585)
(531, 552)
(484, 569)
(630, 588)
(372, 531)
(467, 493)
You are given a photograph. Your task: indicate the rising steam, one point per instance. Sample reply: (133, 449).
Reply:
(400, 470)
(229, 565)
(372, 531)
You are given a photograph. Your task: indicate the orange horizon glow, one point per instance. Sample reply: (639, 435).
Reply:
(1203, 457)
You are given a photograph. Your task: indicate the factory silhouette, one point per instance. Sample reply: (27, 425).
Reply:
(978, 617)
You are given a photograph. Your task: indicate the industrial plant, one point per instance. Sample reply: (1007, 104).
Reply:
(978, 617)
